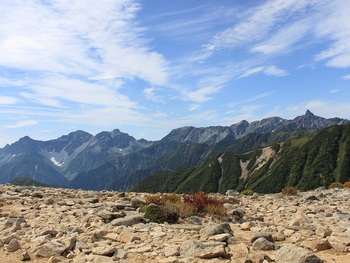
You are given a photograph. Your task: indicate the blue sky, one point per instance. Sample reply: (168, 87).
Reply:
(149, 66)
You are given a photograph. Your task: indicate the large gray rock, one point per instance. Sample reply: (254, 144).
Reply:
(213, 230)
(293, 254)
(128, 220)
(104, 250)
(267, 236)
(263, 244)
(238, 252)
(50, 249)
(204, 250)
(13, 246)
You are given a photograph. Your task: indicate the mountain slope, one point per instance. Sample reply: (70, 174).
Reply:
(305, 163)
(240, 137)
(58, 161)
(116, 160)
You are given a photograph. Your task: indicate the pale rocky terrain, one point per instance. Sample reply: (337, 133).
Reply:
(65, 225)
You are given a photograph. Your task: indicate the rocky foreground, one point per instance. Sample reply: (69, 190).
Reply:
(65, 225)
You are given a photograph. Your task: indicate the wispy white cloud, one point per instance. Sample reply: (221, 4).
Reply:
(274, 71)
(346, 77)
(8, 100)
(8, 82)
(60, 89)
(202, 94)
(193, 107)
(334, 27)
(252, 71)
(22, 124)
(151, 95)
(334, 90)
(268, 70)
(254, 98)
(83, 38)
(75, 56)
(258, 23)
(285, 39)
(277, 27)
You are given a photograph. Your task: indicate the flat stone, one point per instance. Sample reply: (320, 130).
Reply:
(127, 236)
(127, 220)
(246, 226)
(213, 230)
(169, 260)
(239, 252)
(50, 249)
(317, 245)
(205, 250)
(170, 251)
(293, 254)
(104, 250)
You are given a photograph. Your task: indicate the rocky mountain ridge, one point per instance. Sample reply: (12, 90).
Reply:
(214, 134)
(305, 163)
(116, 160)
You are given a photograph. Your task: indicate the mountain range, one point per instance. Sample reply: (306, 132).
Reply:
(117, 161)
(304, 163)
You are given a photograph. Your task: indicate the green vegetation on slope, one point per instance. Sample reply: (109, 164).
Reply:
(304, 163)
(22, 181)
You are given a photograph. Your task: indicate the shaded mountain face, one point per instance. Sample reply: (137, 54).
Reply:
(57, 161)
(213, 135)
(305, 163)
(172, 152)
(116, 160)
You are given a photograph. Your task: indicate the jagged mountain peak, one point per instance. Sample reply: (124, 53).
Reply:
(80, 152)
(214, 134)
(209, 135)
(76, 135)
(25, 139)
(309, 113)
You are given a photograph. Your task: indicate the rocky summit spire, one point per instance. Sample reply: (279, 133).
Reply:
(308, 113)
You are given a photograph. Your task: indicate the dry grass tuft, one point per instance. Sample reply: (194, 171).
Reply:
(289, 190)
(346, 184)
(335, 185)
(187, 205)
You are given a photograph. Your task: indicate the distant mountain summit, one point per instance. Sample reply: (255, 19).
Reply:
(56, 162)
(116, 160)
(304, 163)
(214, 134)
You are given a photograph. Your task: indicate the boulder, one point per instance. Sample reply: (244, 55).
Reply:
(212, 230)
(203, 250)
(291, 253)
(128, 220)
(13, 245)
(267, 236)
(50, 249)
(263, 244)
(238, 252)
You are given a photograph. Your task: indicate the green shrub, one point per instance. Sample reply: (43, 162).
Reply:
(169, 207)
(289, 190)
(335, 185)
(160, 214)
(247, 192)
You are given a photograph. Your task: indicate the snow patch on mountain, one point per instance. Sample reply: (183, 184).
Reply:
(54, 161)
